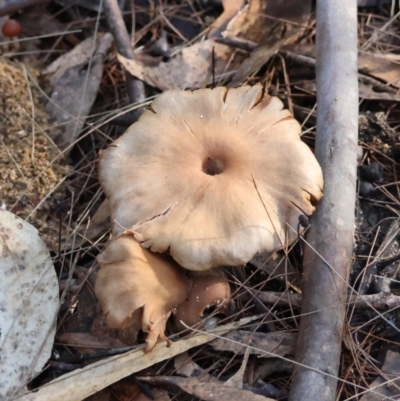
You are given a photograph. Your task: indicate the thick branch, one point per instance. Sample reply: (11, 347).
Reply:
(327, 258)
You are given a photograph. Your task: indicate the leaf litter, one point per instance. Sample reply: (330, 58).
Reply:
(83, 382)
(81, 333)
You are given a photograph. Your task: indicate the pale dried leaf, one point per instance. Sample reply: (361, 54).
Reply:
(190, 68)
(210, 391)
(74, 94)
(79, 55)
(266, 345)
(81, 383)
(84, 341)
(28, 304)
(236, 381)
(231, 8)
(185, 366)
(386, 386)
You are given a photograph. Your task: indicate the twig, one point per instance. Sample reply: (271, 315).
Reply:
(327, 255)
(240, 43)
(308, 61)
(118, 29)
(98, 354)
(380, 301)
(16, 5)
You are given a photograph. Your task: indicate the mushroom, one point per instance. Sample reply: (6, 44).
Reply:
(213, 176)
(205, 291)
(135, 286)
(11, 28)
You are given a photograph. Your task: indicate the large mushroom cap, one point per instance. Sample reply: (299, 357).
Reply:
(183, 177)
(136, 287)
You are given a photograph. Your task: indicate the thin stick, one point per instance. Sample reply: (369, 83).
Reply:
(380, 301)
(12, 7)
(123, 42)
(33, 113)
(332, 226)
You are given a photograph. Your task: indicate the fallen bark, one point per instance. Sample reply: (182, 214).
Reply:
(329, 245)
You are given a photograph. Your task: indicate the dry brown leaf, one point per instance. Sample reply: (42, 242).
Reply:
(266, 345)
(266, 22)
(187, 69)
(87, 342)
(384, 67)
(364, 92)
(231, 8)
(271, 24)
(254, 62)
(380, 66)
(185, 366)
(81, 383)
(236, 381)
(385, 387)
(127, 390)
(210, 391)
(274, 266)
(28, 304)
(99, 223)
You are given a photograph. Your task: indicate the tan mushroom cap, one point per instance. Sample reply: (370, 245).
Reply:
(135, 286)
(205, 291)
(181, 178)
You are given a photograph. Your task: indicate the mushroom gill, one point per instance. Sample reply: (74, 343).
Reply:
(213, 176)
(136, 287)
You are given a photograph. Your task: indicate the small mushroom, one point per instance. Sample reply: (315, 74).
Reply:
(135, 286)
(213, 176)
(11, 28)
(205, 292)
